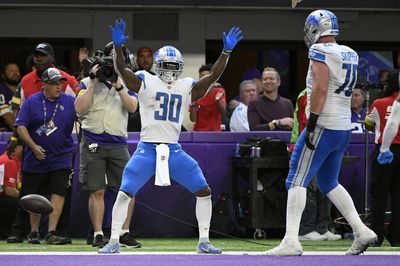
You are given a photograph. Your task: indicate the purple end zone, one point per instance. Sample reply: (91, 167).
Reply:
(193, 260)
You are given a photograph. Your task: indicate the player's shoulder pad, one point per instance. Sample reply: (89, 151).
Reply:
(141, 74)
(319, 51)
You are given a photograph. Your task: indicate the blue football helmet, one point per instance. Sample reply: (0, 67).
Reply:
(320, 23)
(168, 63)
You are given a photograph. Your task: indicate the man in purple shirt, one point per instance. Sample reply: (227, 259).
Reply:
(269, 111)
(45, 124)
(358, 111)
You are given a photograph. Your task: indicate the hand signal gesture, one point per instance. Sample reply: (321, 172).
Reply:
(118, 33)
(230, 40)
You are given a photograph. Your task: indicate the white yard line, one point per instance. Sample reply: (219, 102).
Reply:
(233, 253)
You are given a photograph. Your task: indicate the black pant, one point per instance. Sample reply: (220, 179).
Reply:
(8, 209)
(385, 182)
(21, 227)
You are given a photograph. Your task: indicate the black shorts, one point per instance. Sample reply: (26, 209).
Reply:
(54, 182)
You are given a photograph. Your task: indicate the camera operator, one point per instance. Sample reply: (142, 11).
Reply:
(102, 106)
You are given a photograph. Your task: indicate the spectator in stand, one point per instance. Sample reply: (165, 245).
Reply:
(45, 124)
(207, 112)
(385, 179)
(144, 59)
(270, 111)
(383, 76)
(10, 78)
(248, 92)
(10, 181)
(358, 111)
(255, 75)
(31, 83)
(250, 74)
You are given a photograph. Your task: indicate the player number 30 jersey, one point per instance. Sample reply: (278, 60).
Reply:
(162, 106)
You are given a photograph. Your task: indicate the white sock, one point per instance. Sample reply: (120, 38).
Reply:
(296, 203)
(203, 215)
(119, 213)
(98, 233)
(123, 231)
(344, 203)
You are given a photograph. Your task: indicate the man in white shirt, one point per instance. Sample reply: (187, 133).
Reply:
(239, 121)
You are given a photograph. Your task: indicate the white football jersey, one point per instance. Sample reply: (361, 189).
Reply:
(162, 106)
(342, 62)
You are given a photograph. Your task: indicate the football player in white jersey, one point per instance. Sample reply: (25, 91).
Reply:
(163, 98)
(319, 150)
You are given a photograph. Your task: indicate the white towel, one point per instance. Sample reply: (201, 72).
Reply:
(162, 169)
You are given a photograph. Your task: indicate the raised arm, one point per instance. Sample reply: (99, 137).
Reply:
(119, 37)
(202, 87)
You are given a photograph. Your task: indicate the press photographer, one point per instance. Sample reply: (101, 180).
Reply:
(102, 106)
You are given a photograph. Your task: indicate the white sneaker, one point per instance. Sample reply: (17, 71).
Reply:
(331, 236)
(362, 242)
(314, 235)
(288, 247)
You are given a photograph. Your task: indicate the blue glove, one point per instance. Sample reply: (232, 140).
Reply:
(385, 157)
(230, 40)
(118, 36)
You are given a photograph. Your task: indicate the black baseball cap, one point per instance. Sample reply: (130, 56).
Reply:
(44, 48)
(52, 76)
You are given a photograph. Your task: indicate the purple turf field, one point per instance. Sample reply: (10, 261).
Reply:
(193, 260)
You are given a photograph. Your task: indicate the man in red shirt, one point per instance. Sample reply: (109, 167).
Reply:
(43, 58)
(207, 112)
(385, 178)
(10, 173)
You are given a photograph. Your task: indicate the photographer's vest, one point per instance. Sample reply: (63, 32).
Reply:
(107, 113)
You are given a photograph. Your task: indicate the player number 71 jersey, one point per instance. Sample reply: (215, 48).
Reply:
(161, 107)
(342, 62)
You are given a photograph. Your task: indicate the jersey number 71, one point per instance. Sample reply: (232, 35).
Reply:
(350, 80)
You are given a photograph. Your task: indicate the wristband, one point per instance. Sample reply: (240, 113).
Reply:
(312, 121)
(119, 89)
(227, 52)
(13, 138)
(92, 75)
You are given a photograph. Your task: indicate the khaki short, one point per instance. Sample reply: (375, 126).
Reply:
(102, 168)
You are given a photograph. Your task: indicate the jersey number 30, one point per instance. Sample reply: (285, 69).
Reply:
(170, 107)
(350, 80)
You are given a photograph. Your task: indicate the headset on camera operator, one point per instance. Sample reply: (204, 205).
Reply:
(102, 106)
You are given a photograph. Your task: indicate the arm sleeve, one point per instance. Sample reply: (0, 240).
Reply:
(391, 128)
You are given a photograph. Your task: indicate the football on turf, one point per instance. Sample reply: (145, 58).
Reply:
(36, 204)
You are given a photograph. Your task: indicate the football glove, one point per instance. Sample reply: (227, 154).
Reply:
(230, 40)
(385, 157)
(118, 33)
